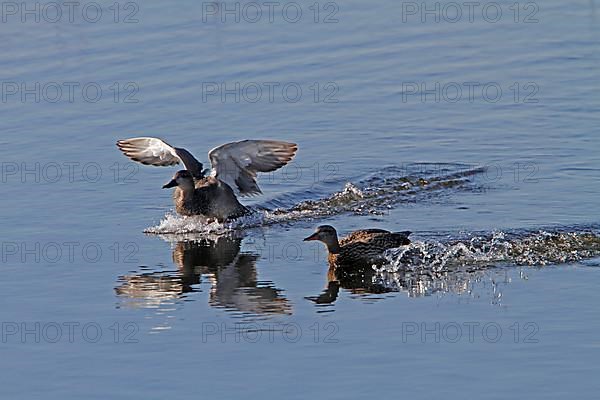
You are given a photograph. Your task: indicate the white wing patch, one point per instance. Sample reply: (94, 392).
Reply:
(149, 151)
(154, 151)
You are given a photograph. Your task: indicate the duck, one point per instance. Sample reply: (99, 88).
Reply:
(360, 248)
(212, 193)
(208, 196)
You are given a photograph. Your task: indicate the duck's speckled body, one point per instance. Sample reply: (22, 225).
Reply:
(361, 247)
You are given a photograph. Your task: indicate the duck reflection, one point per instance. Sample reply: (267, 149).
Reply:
(232, 274)
(471, 282)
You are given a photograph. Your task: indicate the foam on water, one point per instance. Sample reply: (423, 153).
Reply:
(498, 249)
(179, 224)
(477, 265)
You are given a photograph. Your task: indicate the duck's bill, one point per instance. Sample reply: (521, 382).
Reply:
(171, 184)
(311, 237)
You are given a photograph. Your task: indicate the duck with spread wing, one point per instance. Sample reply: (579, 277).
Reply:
(234, 169)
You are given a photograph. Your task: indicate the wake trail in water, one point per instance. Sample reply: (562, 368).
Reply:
(497, 249)
(424, 182)
(476, 264)
(374, 195)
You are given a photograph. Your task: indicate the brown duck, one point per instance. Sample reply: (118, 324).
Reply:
(208, 196)
(360, 248)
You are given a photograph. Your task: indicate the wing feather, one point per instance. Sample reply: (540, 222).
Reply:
(238, 163)
(154, 151)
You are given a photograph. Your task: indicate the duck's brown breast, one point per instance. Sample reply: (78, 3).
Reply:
(184, 203)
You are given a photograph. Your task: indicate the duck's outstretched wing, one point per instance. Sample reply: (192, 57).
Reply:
(238, 163)
(154, 151)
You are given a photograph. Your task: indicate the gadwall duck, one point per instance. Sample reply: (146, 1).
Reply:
(208, 196)
(362, 247)
(234, 169)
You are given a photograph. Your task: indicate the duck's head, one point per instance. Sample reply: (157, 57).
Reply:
(183, 179)
(326, 234)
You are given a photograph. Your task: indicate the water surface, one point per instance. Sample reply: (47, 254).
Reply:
(254, 312)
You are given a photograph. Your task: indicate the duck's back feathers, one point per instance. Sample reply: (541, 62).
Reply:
(367, 235)
(368, 245)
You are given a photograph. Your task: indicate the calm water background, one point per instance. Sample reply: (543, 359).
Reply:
(541, 146)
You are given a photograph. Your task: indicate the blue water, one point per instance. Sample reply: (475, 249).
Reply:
(249, 325)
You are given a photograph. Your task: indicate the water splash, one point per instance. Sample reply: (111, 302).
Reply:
(498, 249)
(477, 265)
(179, 224)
